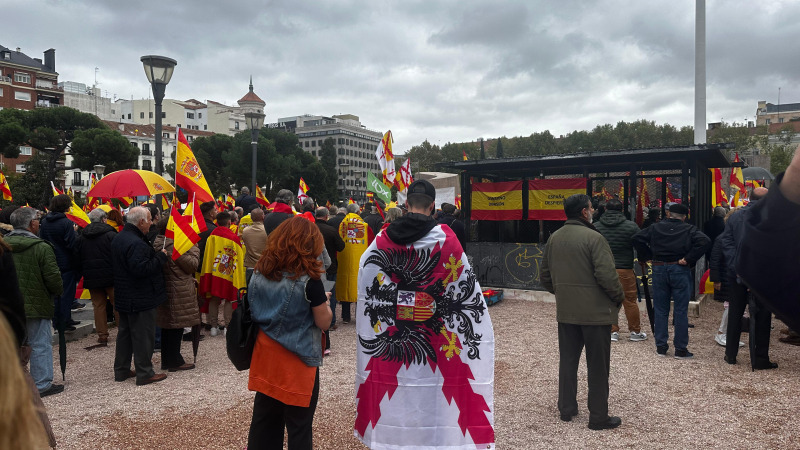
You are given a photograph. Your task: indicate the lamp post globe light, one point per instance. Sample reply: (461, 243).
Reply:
(253, 108)
(99, 169)
(159, 71)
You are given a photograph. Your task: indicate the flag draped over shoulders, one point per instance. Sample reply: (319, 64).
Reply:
(425, 354)
(223, 273)
(357, 237)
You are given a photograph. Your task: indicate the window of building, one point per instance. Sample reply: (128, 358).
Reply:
(1, 92)
(25, 150)
(129, 116)
(340, 141)
(163, 115)
(236, 125)
(191, 138)
(113, 111)
(147, 165)
(76, 178)
(141, 115)
(341, 151)
(146, 147)
(166, 135)
(341, 182)
(307, 144)
(313, 153)
(24, 96)
(135, 144)
(22, 78)
(780, 120)
(313, 143)
(205, 127)
(20, 168)
(150, 115)
(179, 125)
(199, 115)
(319, 142)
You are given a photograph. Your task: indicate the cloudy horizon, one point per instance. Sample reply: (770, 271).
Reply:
(444, 71)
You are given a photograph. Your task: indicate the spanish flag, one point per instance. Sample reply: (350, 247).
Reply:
(181, 232)
(463, 152)
(737, 181)
(497, 201)
(717, 192)
(458, 202)
(644, 201)
(195, 217)
(74, 214)
(4, 189)
(188, 174)
(706, 285)
(164, 202)
(351, 201)
(546, 197)
(302, 190)
(125, 201)
(261, 198)
(92, 202)
(222, 274)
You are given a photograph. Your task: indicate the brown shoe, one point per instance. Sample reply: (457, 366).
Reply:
(186, 366)
(155, 379)
(333, 327)
(789, 339)
(102, 340)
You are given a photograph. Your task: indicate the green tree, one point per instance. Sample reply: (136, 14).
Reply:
(28, 187)
(500, 148)
(102, 144)
(781, 152)
(483, 151)
(424, 157)
(328, 161)
(51, 132)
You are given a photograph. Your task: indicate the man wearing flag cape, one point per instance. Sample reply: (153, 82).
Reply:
(425, 355)
(222, 273)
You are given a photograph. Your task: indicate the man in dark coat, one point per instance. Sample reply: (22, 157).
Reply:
(578, 267)
(94, 248)
(714, 228)
(674, 246)
(619, 233)
(246, 201)
(449, 219)
(372, 218)
(281, 211)
(57, 229)
(738, 294)
(333, 243)
(337, 218)
(139, 287)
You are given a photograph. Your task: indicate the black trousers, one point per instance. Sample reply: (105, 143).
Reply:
(171, 339)
(270, 417)
(136, 338)
(760, 322)
(571, 340)
(345, 311)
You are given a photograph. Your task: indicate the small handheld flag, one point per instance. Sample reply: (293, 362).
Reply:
(4, 188)
(261, 198)
(302, 191)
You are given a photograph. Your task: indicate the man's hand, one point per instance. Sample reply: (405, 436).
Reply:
(717, 286)
(683, 262)
(790, 185)
(164, 251)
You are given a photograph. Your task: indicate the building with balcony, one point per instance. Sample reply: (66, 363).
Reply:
(27, 83)
(355, 147)
(189, 114)
(769, 114)
(86, 99)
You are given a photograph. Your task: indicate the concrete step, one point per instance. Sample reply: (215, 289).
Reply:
(84, 328)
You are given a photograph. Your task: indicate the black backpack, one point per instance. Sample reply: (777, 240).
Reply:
(241, 337)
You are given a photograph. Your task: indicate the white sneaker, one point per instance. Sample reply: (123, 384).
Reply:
(614, 336)
(214, 331)
(638, 336)
(721, 339)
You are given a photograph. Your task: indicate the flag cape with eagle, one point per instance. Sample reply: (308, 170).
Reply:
(425, 355)
(222, 274)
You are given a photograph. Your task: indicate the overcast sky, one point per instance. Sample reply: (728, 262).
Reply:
(437, 70)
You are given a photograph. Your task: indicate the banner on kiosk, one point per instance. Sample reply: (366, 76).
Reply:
(546, 197)
(497, 201)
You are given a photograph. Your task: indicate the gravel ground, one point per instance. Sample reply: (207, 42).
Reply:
(664, 403)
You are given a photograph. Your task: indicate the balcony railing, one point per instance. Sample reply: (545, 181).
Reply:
(44, 104)
(147, 153)
(5, 79)
(48, 86)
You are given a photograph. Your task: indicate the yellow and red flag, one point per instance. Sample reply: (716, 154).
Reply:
(164, 202)
(92, 202)
(188, 174)
(403, 177)
(4, 188)
(386, 159)
(195, 216)
(464, 153)
(706, 285)
(737, 181)
(181, 232)
(328, 204)
(644, 201)
(351, 201)
(302, 190)
(717, 192)
(74, 213)
(125, 201)
(222, 274)
(71, 193)
(497, 201)
(458, 201)
(546, 197)
(261, 198)
(230, 201)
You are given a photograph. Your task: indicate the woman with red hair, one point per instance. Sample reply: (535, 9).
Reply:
(289, 304)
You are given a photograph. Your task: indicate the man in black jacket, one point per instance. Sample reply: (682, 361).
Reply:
(57, 229)
(337, 218)
(139, 285)
(674, 247)
(458, 228)
(282, 210)
(246, 201)
(767, 260)
(738, 294)
(94, 248)
(333, 243)
(372, 218)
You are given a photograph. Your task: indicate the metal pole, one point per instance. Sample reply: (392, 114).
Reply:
(158, 95)
(700, 73)
(254, 143)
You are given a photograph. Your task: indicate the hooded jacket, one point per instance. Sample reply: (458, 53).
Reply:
(410, 228)
(457, 226)
(619, 233)
(94, 248)
(38, 273)
(57, 229)
(670, 241)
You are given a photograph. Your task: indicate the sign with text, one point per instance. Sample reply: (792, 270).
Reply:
(497, 201)
(546, 197)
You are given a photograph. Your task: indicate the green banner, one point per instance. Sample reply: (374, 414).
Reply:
(374, 184)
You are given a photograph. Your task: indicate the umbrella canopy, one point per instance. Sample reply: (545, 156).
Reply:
(757, 173)
(106, 207)
(130, 183)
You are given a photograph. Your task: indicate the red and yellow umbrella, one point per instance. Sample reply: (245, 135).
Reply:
(130, 183)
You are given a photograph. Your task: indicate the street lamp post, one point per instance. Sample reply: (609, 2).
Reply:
(99, 169)
(255, 120)
(159, 71)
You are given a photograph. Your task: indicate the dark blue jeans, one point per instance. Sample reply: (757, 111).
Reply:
(673, 282)
(69, 280)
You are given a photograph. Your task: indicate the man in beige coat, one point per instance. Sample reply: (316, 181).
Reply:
(255, 241)
(578, 267)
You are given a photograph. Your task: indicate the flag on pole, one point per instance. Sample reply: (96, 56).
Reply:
(188, 174)
(181, 232)
(164, 202)
(71, 193)
(386, 159)
(302, 191)
(92, 202)
(643, 203)
(4, 188)
(74, 213)
(261, 198)
(737, 181)
(125, 201)
(351, 201)
(458, 202)
(196, 219)
(328, 204)
(403, 177)
(229, 201)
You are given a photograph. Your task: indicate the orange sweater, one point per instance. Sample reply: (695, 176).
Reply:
(280, 374)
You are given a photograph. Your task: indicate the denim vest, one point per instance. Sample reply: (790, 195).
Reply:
(282, 311)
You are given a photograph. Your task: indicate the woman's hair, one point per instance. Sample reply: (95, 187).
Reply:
(20, 426)
(60, 203)
(392, 214)
(292, 248)
(115, 216)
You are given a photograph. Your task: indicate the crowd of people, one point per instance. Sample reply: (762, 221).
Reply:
(288, 257)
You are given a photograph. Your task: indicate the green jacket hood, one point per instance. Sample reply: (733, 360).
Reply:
(612, 218)
(21, 243)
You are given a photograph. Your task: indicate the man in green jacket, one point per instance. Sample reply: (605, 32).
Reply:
(619, 232)
(578, 267)
(39, 281)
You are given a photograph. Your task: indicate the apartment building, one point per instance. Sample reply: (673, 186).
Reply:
(86, 99)
(190, 114)
(769, 114)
